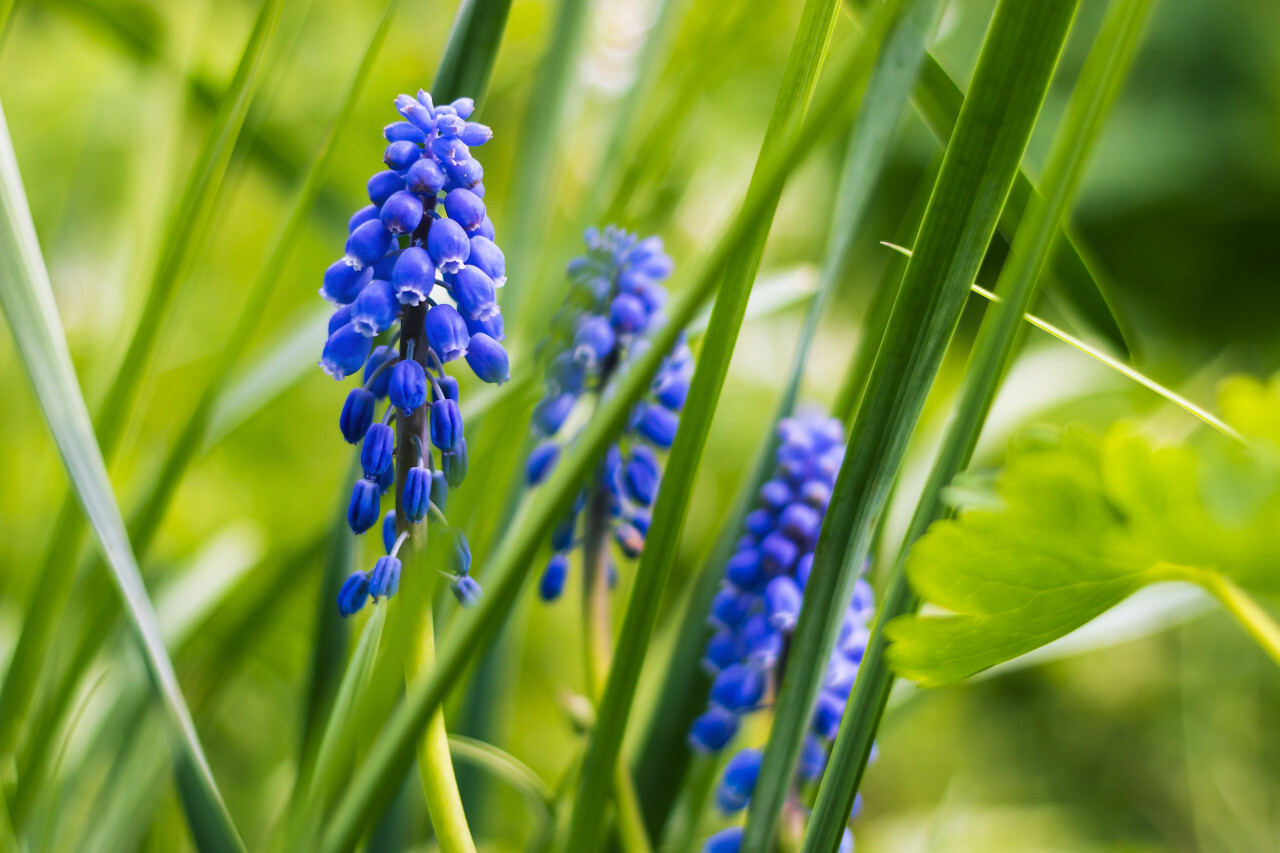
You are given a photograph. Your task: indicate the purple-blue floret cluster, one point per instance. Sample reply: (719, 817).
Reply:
(414, 290)
(617, 295)
(757, 607)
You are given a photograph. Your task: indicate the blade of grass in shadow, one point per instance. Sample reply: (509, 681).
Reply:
(1014, 68)
(903, 29)
(472, 50)
(799, 79)
(1099, 82)
(184, 235)
(27, 298)
(506, 570)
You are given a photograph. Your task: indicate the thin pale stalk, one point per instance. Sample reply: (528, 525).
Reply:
(1260, 624)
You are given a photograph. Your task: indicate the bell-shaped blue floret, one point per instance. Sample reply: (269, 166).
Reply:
(402, 213)
(455, 465)
(367, 244)
(439, 489)
(345, 352)
(458, 552)
(401, 154)
(594, 340)
(474, 133)
(827, 714)
(383, 185)
(774, 495)
(446, 424)
(816, 494)
(738, 687)
(389, 530)
(759, 523)
(730, 606)
(414, 276)
(448, 245)
(540, 462)
(408, 387)
(628, 314)
(641, 475)
(553, 577)
(357, 415)
(722, 651)
(712, 730)
(343, 282)
(488, 258)
(761, 642)
(744, 570)
(353, 594)
(365, 214)
(778, 554)
(466, 174)
(384, 580)
(378, 450)
(801, 522)
(672, 389)
(725, 841)
(738, 781)
(425, 177)
(488, 359)
(417, 493)
(362, 512)
(339, 318)
(447, 333)
(657, 424)
(375, 309)
(464, 208)
(493, 326)
(782, 599)
(804, 565)
(466, 590)
(473, 291)
(551, 412)
(376, 377)
(387, 479)
(399, 131)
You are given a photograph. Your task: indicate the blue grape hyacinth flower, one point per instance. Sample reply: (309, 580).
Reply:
(615, 299)
(755, 611)
(414, 290)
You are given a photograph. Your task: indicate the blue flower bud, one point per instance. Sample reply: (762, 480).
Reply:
(657, 424)
(553, 576)
(541, 461)
(449, 386)
(345, 352)
(375, 309)
(378, 450)
(368, 213)
(463, 107)
(417, 493)
(351, 597)
(567, 374)
(339, 318)
(401, 155)
(389, 530)
(803, 566)
(402, 212)
(712, 730)
(424, 98)
(465, 174)
(357, 415)
(386, 266)
(455, 465)
(476, 189)
(725, 841)
(841, 673)
(731, 606)
(641, 475)
(449, 125)
(466, 590)
(484, 229)
(563, 534)
(739, 780)
(425, 177)
(813, 759)
(343, 282)
(449, 151)
(403, 131)
(759, 523)
(801, 522)
(448, 245)
(475, 134)
(464, 208)
(593, 341)
(827, 714)
(367, 244)
(738, 688)
(447, 333)
(380, 381)
(362, 512)
(488, 258)
(761, 641)
(551, 412)
(744, 571)
(408, 386)
(778, 554)
(419, 115)
(722, 651)
(816, 494)
(446, 424)
(629, 539)
(774, 495)
(384, 580)
(782, 599)
(387, 479)
(383, 185)
(473, 291)
(493, 326)
(654, 297)
(627, 313)
(439, 490)
(459, 552)
(488, 359)
(414, 276)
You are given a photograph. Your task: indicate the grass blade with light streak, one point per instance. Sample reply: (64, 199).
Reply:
(536, 792)
(472, 50)
(898, 41)
(1099, 82)
(799, 79)
(184, 235)
(27, 298)
(1016, 63)
(376, 779)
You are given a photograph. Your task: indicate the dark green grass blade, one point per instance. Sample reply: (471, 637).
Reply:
(375, 781)
(1033, 246)
(187, 226)
(472, 50)
(683, 694)
(1013, 73)
(799, 79)
(1076, 287)
(27, 298)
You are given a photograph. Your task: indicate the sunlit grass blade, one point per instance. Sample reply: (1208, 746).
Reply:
(1099, 82)
(472, 50)
(27, 298)
(899, 37)
(505, 571)
(1016, 63)
(183, 237)
(799, 79)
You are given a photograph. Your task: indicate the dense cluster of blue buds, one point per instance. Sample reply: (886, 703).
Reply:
(617, 295)
(415, 290)
(756, 609)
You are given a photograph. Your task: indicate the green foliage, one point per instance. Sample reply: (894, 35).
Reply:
(1085, 523)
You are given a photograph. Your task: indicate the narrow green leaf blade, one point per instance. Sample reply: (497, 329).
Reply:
(27, 298)
(472, 50)
(1017, 60)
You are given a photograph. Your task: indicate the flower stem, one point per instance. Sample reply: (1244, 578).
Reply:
(1253, 616)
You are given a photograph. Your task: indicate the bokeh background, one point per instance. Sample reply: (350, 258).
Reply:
(1155, 733)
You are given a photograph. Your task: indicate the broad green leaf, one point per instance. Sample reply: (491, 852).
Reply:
(187, 226)
(1018, 57)
(1099, 82)
(1085, 523)
(27, 299)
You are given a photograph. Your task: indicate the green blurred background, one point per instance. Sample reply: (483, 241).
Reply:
(1156, 733)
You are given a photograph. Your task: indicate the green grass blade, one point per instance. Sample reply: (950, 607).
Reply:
(506, 570)
(536, 792)
(1096, 89)
(903, 29)
(472, 50)
(799, 79)
(27, 298)
(1017, 61)
(187, 226)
